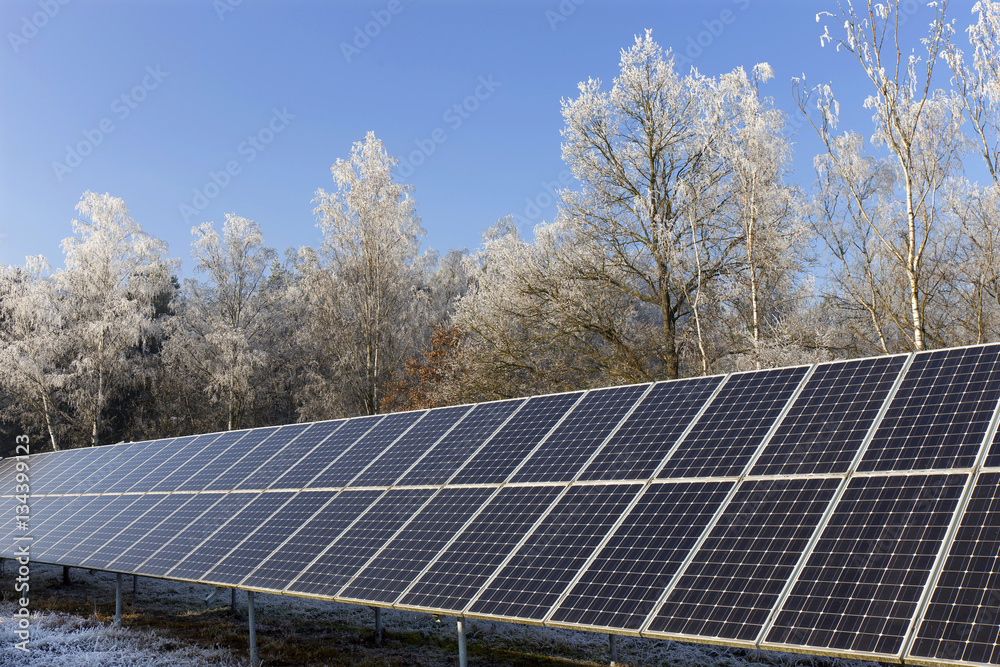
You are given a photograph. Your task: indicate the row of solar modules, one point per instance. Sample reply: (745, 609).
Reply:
(807, 509)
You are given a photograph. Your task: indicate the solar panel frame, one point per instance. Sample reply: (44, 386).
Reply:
(160, 457)
(90, 544)
(184, 449)
(57, 475)
(160, 506)
(326, 452)
(56, 551)
(275, 465)
(244, 450)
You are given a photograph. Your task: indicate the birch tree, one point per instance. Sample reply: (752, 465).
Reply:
(365, 284)
(114, 272)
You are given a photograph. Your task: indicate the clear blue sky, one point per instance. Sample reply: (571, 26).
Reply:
(200, 78)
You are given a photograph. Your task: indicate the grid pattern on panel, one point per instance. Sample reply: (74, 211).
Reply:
(89, 519)
(228, 451)
(14, 526)
(268, 536)
(622, 585)
(251, 513)
(494, 462)
(146, 519)
(738, 573)
(195, 455)
(359, 543)
(130, 508)
(309, 541)
(54, 514)
(993, 458)
(218, 510)
(735, 423)
(406, 555)
(962, 621)
(64, 520)
(85, 468)
(461, 443)
(573, 442)
(241, 459)
(940, 413)
(639, 446)
(533, 580)
(269, 461)
(417, 442)
(829, 419)
(62, 472)
(861, 584)
(185, 512)
(135, 456)
(151, 465)
(98, 468)
(366, 449)
(330, 441)
(461, 569)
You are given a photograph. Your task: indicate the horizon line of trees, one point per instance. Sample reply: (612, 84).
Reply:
(684, 248)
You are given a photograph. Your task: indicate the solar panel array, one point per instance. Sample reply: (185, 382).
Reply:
(848, 508)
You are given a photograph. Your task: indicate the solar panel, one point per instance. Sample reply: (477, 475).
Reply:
(122, 511)
(962, 620)
(578, 436)
(158, 454)
(267, 537)
(461, 569)
(108, 458)
(734, 425)
(406, 555)
(132, 456)
(65, 467)
(12, 527)
(229, 451)
(407, 450)
(827, 424)
(622, 584)
(199, 455)
(460, 443)
(246, 456)
(495, 460)
(639, 446)
(190, 454)
(859, 588)
(342, 559)
(58, 522)
(76, 528)
(270, 461)
(993, 459)
(190, 527)
(250, 514)
(728, 589)
(940, 413)
(292, 556)
(331, 440)
(365, 450)
(531, 583)
(142, 518)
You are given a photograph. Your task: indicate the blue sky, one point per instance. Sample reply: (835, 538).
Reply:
(161, 95)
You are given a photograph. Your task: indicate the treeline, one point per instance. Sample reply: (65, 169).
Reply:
(684, 247)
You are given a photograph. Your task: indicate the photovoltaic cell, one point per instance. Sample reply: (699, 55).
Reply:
(494, 462)
(462, 442)
(462, 569)
(575, 440)
(531, 583)
(642, 442)
(58, 522)
(993, 458)
(98, 469)
(86, 463)
(208, 448)
(268, 536)
(11, 529)
(861, 584)
(331, 440)
(228, 451)
(250, 514)
(365, 450)
(243, 458)
(962, 621)
(624, 582)
(149, 467)
(216, 510)
(64, 469)
(734, 425)
(407, 554)
(135, 455)
(77, 528)
(270, 461)
(940, 413)
(360, 542)
(193, 454)
(740, 570)
(146, 514)
(829, 420)
(278, 570)
(418, 440)
(116, 518)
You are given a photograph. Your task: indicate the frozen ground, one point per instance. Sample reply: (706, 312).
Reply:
(171, 624)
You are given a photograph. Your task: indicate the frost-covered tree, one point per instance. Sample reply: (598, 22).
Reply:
(114, 273)
(365, 285)
(223, 332)
(916, 146)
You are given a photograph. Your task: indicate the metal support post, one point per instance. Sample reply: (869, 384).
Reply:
(613, 649)
(252, 618)
(232, 602)
(378, 625)
(118, 599)
(135, 586)
(463, 656)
